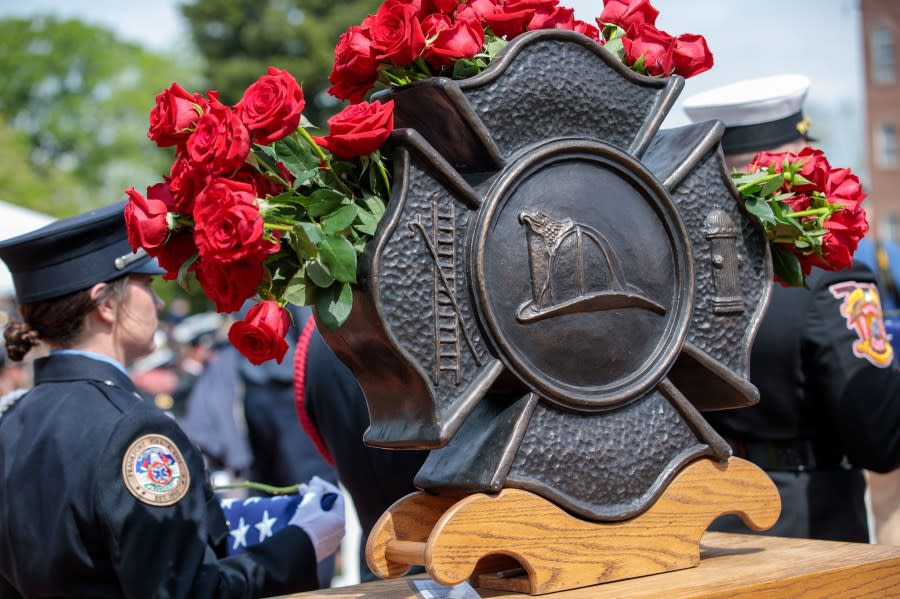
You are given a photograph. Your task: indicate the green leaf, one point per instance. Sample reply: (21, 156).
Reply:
(615, 46)
(340, 219)
(267, 156)
(786, 266)
(297, 291)
(308, 236)
(760, 209)
(339, 256)
(771, 186)
(299, 158)
(375, 206)
(799, 179)
(334, 305)
(323, 201)
(319, 274)
(367, 222)
(305, 123)
(182, 276)
(463, 69)
(494, 46)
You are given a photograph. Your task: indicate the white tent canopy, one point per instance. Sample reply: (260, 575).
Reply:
(15, 220)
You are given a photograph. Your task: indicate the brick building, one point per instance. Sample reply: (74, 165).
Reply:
(881, 37)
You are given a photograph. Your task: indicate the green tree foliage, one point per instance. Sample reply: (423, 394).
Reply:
(21, 184)
(240, 38)
(75, 100)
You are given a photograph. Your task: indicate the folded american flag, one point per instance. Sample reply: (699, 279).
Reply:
(255, 519)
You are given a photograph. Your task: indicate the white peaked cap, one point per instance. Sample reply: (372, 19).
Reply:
(759, 113)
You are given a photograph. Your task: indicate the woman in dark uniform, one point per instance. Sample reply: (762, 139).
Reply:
(102, 494)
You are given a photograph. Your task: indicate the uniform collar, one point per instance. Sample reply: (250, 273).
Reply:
(61, 367)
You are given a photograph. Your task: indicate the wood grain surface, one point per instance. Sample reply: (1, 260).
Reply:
(731, 567)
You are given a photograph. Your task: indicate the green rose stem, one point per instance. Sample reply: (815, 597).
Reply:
(384, 177)
(278, 227)
(247, 484)
(810, 212)
(305, 134)
(420, 62)
(756, 182)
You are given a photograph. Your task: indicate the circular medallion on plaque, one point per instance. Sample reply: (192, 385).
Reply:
(582, 274)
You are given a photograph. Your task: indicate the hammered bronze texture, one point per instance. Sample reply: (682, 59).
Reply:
(557, 288)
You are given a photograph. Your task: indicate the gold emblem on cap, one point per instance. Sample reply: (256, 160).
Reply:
(154, 471)
(803, 126)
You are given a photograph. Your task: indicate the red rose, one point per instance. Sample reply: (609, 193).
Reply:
(815, 169)
(186, 180)
(260, 336)
(797, 202)
(552, 18)
(450, 40)
(692, 55)
(221, 142)
(145, 219)
(229, 284)
(766, 159)
(843, 186)
(355, 67)
(174, 116)
(627, 13)
(446, 6)
(503, 20)
(175, 252)
(844, 230)
(227, 223)
(271, 107)
(397, 33)
(262, 185)
(517, 5)
(657, 48)
(359, 129)
(588, 30)
(482, 8)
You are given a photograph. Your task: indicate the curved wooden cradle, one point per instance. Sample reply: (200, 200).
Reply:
(516, 540)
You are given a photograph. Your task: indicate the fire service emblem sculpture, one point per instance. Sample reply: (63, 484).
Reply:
(557, 291)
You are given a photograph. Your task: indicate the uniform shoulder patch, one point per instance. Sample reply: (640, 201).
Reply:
(154, 471)
(861, 307)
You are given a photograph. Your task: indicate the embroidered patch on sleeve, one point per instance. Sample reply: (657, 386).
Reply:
(861, 306)
(154, 471)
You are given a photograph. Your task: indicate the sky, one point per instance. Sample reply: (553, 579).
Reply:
(749, 38)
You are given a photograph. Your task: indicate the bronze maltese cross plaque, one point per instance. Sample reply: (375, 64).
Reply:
(558, 288)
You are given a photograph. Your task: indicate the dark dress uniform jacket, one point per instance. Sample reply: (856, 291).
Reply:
(337, 410)
(69, 527)
(824, 411)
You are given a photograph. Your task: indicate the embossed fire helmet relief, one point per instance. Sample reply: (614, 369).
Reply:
(558, 287)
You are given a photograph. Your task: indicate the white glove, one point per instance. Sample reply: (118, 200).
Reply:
(321, 519)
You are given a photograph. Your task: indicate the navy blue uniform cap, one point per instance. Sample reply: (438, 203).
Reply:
(73, 254)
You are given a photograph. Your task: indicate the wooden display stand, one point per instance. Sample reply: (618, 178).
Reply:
(518, 541)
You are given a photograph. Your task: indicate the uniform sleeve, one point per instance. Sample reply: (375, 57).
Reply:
(162, 550)
(852, 368)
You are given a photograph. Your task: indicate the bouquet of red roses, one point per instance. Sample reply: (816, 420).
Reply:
(810, 211)
(256, 206)
(408, 40)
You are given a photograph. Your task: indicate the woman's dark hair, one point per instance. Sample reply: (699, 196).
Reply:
(58, 321)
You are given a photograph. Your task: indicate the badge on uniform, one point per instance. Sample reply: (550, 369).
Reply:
(861, 306)
(155, 471)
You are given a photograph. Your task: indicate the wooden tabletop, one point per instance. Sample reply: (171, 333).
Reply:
(731, 567)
